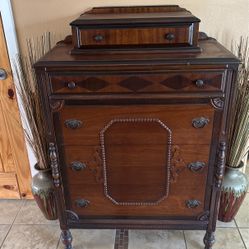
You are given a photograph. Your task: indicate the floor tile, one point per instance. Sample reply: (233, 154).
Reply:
(3, 232)
(92, 239)
(156, 239)
(9, 210)
(225, 224)
(31, 214)
(226, 238)
(32, 237)
(245, 235)
(242, 218)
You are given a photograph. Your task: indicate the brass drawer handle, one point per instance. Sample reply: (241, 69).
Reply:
(82, 203)
(71, 85)
(200, 83)
(200, 122)
(98, 38)
(196, 166)
(193, 203)
(170, 36)
(77, 165)
(73, 123)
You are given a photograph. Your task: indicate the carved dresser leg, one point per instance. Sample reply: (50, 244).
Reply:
(209, 240)
(66, 239)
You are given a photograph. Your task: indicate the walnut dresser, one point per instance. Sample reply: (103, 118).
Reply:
(137, 105)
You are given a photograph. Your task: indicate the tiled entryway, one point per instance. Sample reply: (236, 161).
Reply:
(22, 226)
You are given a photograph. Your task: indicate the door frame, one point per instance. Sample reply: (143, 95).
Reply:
(13, 50)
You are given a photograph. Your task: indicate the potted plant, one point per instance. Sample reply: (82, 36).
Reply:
(35, 131)
(235, 183)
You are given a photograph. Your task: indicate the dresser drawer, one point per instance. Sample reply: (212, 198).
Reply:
(196, 81)
(84, 164)
(145, 124)
(178, 35)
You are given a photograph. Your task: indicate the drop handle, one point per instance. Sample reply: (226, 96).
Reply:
(192, 203)
(200, 122)
(3, 74)
(82, 203)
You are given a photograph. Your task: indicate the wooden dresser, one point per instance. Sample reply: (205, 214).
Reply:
(137, 106)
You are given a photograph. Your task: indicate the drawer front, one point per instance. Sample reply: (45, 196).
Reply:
(188, 124)
(187, 183)
(181, 35)
(196, 81)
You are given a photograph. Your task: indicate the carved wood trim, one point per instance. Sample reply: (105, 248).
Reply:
(220, 164)
(95, 165)
(178, 164)
(71, 215)
(204, 216)
(217, 103)
(168, 164)
(54, 164)
(56, 105)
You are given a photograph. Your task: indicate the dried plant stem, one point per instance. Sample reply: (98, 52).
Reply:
(238, 135)
(28, 90)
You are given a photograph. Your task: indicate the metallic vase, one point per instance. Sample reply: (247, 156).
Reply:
(44, 193)
(233, 192)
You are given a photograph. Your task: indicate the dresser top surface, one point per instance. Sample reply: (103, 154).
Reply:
(135, 14)
(212, 53)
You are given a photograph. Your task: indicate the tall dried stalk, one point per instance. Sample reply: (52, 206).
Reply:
(238, 136)
(28, 90)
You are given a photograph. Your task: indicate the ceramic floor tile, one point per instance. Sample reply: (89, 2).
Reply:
(225, 224)
(156, 239)
(92, 239)
(226, 238)
(31, 214)
(3, 232)
(9, 210)
(32, 237)
(245, 235)
(242, 218)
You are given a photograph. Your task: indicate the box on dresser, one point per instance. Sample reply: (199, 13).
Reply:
(139, 136)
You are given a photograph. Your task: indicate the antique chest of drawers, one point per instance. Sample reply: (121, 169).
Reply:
(137, 135)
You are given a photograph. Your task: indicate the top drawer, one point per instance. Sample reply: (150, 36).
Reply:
(181, 35)
(196, 81)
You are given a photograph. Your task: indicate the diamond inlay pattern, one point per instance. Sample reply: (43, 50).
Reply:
(176, 82)
(93, 84)
(135, 83)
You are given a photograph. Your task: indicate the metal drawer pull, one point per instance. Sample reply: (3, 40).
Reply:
(200, 83)
(200, 122)
(170, 36)
(77, 166)
(71, 85)
(73, 123)
(98, 38)
(82, 203)
(193, 203)
(196, 166)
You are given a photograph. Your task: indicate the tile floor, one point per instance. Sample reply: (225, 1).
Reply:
(22, 226)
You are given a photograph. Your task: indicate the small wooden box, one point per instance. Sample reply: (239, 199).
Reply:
(135, 27)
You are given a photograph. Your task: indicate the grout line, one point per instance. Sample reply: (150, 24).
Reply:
(11, 225)
(238, 228)
(185, 241)
(58, 243)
